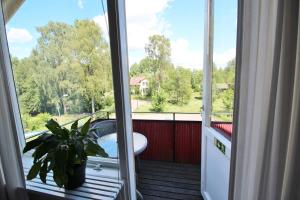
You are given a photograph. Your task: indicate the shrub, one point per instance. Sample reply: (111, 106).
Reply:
(35, 123)
(158, 101)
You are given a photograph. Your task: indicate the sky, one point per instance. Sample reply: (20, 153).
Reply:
(182, 21)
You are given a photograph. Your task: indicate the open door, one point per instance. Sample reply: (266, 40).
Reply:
(216, 143)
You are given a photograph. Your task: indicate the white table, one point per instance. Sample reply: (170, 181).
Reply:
(109, 144)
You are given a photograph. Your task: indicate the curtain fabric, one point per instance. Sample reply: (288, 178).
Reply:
(266, 162)
(2, 185)
(10, 7)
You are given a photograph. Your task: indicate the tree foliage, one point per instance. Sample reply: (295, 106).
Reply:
(158, 101)
(158, 51)
(69, 71)
(223, 98)
(178, 85)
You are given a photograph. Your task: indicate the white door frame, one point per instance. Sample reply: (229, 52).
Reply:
(11, 121)
(207, 77)
(209, 134)
(120, 68)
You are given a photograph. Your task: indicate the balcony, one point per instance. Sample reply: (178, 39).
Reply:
(169, 168)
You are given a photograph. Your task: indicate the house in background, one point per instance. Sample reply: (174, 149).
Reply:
(139, 85)
(222, 86)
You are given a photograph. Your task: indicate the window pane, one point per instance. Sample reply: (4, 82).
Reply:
(225, 26)
(61, 62)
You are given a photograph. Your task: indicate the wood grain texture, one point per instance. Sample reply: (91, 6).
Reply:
(223, 127)
(188, 142)
(182, 181)
(177, 141)
(160, 136)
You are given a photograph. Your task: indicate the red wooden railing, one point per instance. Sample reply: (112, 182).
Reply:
(175, 141)
(171, 140)
(225, 127)
(178, 141)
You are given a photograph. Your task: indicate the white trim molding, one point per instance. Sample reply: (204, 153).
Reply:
(10, 154)
(119, 56)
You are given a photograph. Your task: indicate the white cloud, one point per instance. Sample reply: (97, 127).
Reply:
(221, 59)
(183, 55)
(100, 20)
(80, 4)
(19, 36)
(20, 51)
(143, 19)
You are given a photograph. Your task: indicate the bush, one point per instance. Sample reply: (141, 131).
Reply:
(158, 101)
(35, 123)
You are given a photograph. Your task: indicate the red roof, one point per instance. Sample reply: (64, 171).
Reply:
(136, 80)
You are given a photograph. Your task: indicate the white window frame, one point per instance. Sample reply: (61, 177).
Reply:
(119, 56)
(10, 141)
(209, 133)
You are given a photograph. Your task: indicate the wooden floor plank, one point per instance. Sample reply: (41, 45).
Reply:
(169, 195)
(167, 180)
(172, 175)
(169, 184)
(148, 197)
(170, 189)
(170, 165)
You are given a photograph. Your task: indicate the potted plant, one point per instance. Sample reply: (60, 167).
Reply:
(64, 152)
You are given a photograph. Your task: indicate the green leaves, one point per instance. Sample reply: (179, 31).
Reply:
(74, 128)
(93, 149)
(33, 143)
(85, 128)
(43, 170)
(33, 172)
(53, 126)
(61, 151)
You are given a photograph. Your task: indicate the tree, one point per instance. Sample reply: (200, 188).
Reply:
(223, 98)
(227, 97)
(91, 53)
(68, 71)
(158, 51)
(26, 86)
(178, 85)
(197, 80)
(158, 101)
(52, 57)
(141, 68)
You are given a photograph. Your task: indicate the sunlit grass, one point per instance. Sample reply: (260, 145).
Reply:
(194, 105)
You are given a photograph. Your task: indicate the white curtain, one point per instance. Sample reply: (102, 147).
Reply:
(266, 163)
(10, 7)
(2, 185)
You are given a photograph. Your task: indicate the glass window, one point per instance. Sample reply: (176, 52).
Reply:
(61, 62)
(62, 69)
(223, 75)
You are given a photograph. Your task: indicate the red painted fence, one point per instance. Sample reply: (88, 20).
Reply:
(223, 126)
(178, 141)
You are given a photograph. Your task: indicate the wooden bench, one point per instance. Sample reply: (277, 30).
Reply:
(95, 187)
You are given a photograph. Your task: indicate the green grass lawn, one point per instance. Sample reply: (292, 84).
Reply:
(194, 105)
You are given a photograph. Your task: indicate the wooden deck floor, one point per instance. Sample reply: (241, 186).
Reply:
(167, 180)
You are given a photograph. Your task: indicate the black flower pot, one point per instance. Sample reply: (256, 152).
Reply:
(78, 178)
